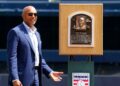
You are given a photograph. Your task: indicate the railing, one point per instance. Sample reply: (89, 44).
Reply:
(53, 56)
(45, 7)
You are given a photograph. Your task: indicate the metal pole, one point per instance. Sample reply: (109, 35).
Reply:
(71, 58)
(90, 58)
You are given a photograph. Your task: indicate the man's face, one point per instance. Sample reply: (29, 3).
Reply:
(82, 22)
(30, 16)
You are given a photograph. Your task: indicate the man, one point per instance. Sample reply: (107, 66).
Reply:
(24, 53)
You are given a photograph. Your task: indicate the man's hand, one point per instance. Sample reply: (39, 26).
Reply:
(17, 83)
(56, 76)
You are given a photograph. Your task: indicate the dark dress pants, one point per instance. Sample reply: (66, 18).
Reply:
(36, 79)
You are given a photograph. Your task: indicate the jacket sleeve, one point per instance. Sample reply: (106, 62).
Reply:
(12, 43)
(46, 69)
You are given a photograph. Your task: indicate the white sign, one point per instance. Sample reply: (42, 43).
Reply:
(80, 79)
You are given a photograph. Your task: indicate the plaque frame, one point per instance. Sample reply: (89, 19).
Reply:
(66, 12)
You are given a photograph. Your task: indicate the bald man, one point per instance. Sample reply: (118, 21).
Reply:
(25, 59)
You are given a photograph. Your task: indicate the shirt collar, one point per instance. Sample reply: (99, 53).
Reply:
(29, 29)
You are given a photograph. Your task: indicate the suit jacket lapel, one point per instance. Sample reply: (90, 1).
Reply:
(29, 40)
(37, 38)
(27, 37)
(39, 42)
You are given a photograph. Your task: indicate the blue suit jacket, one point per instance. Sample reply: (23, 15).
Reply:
(21, 56)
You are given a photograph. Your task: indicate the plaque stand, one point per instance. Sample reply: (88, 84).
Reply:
(69, 17)
(80, 67)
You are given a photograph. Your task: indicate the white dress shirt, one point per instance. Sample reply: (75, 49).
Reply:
(31, 32)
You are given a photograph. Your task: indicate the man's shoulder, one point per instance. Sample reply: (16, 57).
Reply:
(17, 28)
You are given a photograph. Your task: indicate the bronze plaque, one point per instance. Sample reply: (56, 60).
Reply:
(80, 31)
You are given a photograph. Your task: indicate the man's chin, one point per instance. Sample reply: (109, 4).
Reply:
(33, 23)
